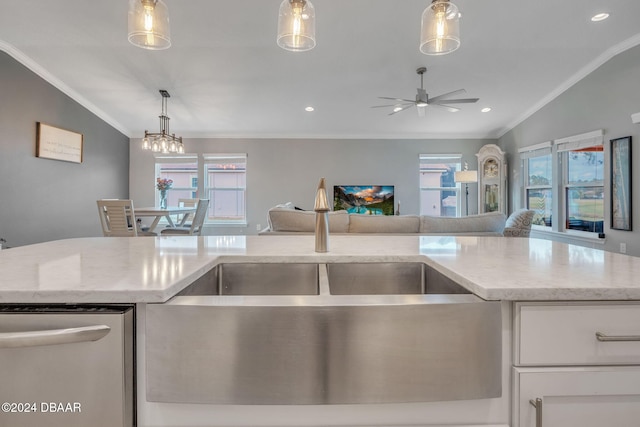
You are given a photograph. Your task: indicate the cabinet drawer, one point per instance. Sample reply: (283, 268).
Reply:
(565, 333)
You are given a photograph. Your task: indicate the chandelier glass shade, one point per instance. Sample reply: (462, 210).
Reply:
(149, 24)
(296, 25)
(163, 141)
(440, 28)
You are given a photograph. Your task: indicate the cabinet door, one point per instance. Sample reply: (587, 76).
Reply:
(584, 397)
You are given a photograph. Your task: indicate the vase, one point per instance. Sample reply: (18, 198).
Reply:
(163, 199)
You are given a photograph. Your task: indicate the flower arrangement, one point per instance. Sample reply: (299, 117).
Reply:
(163, 184)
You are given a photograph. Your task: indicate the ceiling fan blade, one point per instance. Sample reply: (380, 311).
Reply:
(397, 99)
(448, 94)
(402, 109)
(421, 111)
(446, 107)
(390, 105)
(458, 101)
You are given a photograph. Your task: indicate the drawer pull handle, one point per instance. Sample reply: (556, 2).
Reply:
(602, 337)
(52, 337)
(538, 405)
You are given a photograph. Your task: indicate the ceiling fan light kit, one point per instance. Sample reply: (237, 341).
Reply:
(296, 25)
(163, 141)
(149, 24)
(440, 32)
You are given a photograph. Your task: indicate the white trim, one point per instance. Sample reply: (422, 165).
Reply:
(177, 158)
(537, 150)
(62, 87)
(225, 156)
(581, 74)
(534, 147)
(580, 137)
(583, 237)
(577, 142)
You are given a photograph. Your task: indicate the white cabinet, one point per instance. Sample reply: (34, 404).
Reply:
(568, 355)
(577, 397)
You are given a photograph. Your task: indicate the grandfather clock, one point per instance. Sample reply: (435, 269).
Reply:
(492, 179)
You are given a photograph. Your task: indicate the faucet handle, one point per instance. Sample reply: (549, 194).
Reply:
(321, 203)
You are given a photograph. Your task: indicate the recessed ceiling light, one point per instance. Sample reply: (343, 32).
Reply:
(599, 17)
(396, 109)
(309, 109)
(486, 109)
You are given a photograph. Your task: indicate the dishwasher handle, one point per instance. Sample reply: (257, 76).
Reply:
(53, 336)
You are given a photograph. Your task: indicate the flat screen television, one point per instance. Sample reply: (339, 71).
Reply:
(364, 199)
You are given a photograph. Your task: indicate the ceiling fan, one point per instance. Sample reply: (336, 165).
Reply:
(422, 99)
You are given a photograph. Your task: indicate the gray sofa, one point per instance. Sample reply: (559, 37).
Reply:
(285, 220)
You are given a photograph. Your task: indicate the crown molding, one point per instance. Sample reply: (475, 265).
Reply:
(58, 84)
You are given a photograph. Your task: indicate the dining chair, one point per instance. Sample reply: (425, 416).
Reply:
(118, 219)
(182, 219)
(196, 224)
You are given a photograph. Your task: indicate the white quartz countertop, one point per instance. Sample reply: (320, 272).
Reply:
(153, 269)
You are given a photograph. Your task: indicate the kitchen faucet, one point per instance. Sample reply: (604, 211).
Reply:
(321, 207)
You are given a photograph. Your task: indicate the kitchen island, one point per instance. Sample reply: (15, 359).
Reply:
(118, 270)
(541, 285)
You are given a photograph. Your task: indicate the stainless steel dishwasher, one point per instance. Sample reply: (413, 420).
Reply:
(66, 366)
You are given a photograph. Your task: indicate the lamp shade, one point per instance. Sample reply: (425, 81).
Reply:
(296, 25)
(440, 28)
(466, 176)
(149, 24)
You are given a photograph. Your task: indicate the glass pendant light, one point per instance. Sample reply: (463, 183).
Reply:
(149, 24)
(297, 25)
(440, 28)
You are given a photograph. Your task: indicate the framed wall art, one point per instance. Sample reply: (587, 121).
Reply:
(58, 144)
(621, 183)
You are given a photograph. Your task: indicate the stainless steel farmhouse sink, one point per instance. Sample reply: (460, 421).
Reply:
(338, 333)
(389, 278)
(257, 279)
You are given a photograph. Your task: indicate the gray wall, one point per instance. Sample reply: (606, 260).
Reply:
(288, 170)
(605, 99)
(42, 199)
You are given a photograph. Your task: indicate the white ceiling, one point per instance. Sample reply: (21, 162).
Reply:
(228, 78)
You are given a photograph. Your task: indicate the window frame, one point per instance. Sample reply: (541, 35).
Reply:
(445, 159)
(566, 186)
(560, 149)
(207, 190)
(174, 159)
(526, 154)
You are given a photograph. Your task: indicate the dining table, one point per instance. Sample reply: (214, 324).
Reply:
(159, 213)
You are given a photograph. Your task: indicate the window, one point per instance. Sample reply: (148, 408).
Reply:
(183, 171)
(576, 203)
(225, 186)
(584, 189)
(439, 194)
(538, 180)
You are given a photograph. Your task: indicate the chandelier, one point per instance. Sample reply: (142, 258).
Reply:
(296, 25)
(440, 28)
(149, 24)
(163, 141)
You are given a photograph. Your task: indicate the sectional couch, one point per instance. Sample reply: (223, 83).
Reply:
(286, 220)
